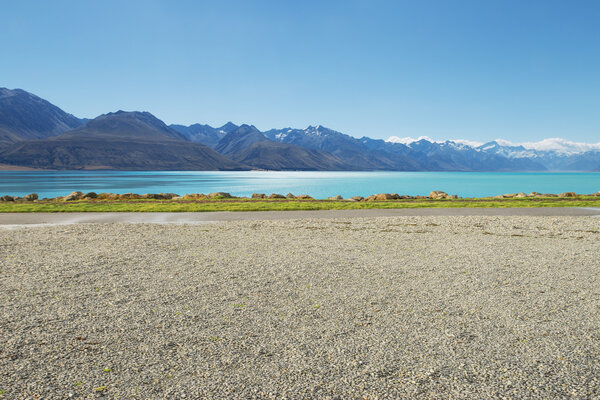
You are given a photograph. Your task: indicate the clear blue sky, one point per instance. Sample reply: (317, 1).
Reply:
(473, 69)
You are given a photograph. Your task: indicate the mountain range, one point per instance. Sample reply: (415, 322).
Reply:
(37, 134)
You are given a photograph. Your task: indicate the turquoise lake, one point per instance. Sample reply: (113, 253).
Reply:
(317, 184)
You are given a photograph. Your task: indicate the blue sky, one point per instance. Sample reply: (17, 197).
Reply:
(477, 70)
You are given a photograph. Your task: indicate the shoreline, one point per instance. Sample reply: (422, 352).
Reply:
(222, 201)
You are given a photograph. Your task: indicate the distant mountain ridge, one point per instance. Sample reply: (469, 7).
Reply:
(554, 154)
(423, 155)
(35, 133)
(350, 150)
(248, 145)
(205, 134)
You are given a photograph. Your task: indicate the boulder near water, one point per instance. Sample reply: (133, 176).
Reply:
(338, 197)
(276, 196)
(438, 194)
(222, 195)
(31, 197)
(304, 197)
(384, 196)
(7, 198)
(356, 198)
(290, 196)
(90, 195)
(259, 196)
(567, 194)
(73, 196)
(194, 196)
(107, 196)
(129, 196)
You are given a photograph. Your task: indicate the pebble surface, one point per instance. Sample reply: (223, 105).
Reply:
(374, 308)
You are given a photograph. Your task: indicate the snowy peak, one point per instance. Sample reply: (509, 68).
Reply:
(228, 127)
(409, 140)
(558, 145)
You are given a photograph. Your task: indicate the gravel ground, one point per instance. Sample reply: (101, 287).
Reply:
(402, 307)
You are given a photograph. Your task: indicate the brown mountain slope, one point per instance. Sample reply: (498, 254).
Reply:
(24, 116)
(122, 140)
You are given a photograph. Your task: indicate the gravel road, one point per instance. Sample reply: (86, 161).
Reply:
(10, 220)
(369, 308)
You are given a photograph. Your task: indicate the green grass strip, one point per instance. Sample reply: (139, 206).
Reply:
(284, 205)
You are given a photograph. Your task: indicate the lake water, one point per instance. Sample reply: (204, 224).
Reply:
(317, 184)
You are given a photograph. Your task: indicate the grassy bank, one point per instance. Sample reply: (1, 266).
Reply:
(284, 205)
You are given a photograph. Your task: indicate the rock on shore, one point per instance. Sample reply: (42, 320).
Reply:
(434, 195)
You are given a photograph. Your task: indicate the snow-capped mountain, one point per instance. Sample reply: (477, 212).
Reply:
(554, 154)
(557, 145)
(422, 154)
(408, 140)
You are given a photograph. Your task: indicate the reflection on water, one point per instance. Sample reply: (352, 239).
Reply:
(317, 184)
